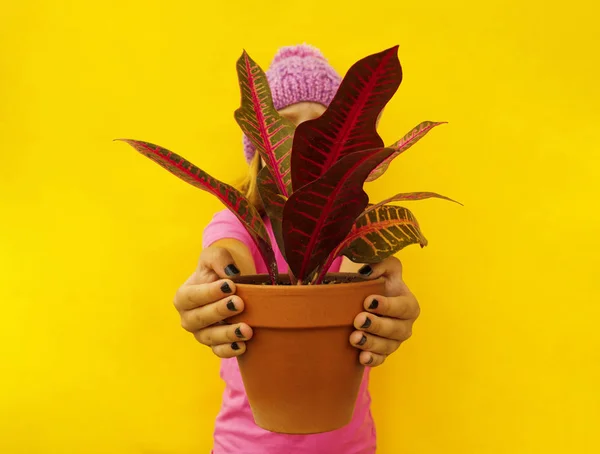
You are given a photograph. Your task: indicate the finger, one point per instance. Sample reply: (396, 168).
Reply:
(193, 296)
(391, 270)
(219, 261)
(374, 344)
(389, 266)
(404, 307)
(205, 316)
(386, 327)
(223, 334)
(229, 350)
(371, 359)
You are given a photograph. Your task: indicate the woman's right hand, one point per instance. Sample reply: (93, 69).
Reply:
(207, 299)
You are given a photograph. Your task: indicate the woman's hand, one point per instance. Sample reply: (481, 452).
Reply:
(389, 319)
(207, 298)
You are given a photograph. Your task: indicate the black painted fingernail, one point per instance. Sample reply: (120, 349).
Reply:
(225, 288)
(370, 360)
(231, 270)
(374, 304)
(367, 323)
(362, 340)
(366, 270)
(235, 346)
(238, 333)
(231, 306)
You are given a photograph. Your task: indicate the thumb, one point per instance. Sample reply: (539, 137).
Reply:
(219, 261)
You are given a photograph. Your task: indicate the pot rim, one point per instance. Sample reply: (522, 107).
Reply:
(305, 306)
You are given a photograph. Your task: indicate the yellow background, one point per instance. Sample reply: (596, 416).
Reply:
(95, 238)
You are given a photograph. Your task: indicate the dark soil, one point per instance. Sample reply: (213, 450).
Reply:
(330, 279)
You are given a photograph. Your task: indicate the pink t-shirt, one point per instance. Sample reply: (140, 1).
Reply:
(235, 430)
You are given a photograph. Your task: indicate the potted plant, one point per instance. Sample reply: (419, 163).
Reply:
(300, 372)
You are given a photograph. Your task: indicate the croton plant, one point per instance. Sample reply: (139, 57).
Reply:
(312, 182)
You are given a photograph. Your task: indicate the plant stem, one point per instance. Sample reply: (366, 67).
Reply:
(293, 280)
(273, 272)
(325, 268)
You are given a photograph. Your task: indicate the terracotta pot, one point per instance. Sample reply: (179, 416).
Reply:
(300, 372)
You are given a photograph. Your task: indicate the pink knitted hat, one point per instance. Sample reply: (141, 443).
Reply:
(298, 73)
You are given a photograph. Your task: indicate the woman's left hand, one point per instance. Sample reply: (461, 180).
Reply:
(388, 319)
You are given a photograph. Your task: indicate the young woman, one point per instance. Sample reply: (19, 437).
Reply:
(302, 84)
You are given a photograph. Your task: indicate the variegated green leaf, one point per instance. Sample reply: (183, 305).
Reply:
(271, 134)
(416, 134)
(361, 220)
(408, 196)
(228, 195)
(380, 233)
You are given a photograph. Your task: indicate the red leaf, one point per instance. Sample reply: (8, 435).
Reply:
(318, 217)
(416, 134)
(229, 196)
(349, 123)
(270, 133)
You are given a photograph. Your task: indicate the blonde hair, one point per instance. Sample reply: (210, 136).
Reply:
(249, 185)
